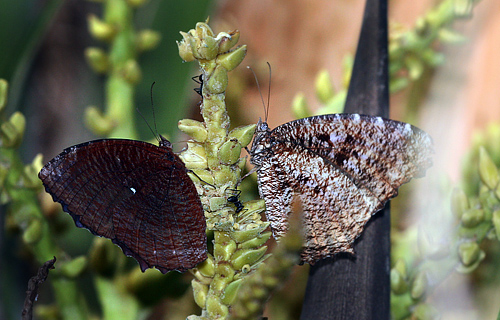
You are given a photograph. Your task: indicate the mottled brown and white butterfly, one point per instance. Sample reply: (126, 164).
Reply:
(342, 167)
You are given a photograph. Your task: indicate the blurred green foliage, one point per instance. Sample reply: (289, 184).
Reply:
(24, 26)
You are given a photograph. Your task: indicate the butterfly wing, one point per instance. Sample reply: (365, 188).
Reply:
(134, 193)
(344, 169)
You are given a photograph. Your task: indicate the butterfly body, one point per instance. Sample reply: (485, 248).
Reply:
(136, 194)
(342, 167)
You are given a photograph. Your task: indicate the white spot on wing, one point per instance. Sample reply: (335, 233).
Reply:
(408, 130)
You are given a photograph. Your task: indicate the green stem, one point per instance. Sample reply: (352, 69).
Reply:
(120, 91)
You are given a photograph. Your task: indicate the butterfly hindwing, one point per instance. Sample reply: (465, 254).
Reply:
(134, 193)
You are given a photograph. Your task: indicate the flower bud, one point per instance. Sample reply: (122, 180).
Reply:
(231, 292)
(207, 267)
(147, 40)
(418, 286)
(459, 202)
(194, 157)
(194, 129)
(232, 59)
(97, 122)
(213, 306)
(256, 242)
(136, 3)
(228, 40)
(12, 131)
(224, 252)
(300, 107)
(217, 83)
(229, 152)
(97, 60)
(99, 29)
(30, 176)
(496, 222)
(415, 67)
(398, 282)
(324, 87)
(185, 50)
(73, 268)
(247, 256)
(245, 235)
(243, 134)
(200, 292)
(203, 44)
(469, 253)
(33, 232)
(132, 72)
(4, 89)
(487, 169)
(472, 217)
(201, 174)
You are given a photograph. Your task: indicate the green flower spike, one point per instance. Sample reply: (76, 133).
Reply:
(213, 155)
(256, 288)
(120, 65)
(19, 194)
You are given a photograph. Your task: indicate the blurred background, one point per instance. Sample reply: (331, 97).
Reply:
(455, 100)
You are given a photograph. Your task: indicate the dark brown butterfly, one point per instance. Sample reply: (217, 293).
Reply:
(136, 194)
(342, 167)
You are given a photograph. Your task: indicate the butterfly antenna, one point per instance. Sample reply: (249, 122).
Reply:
(197, 176)
(153, 108)
(260, 92)
(269, 90)
(144, 118)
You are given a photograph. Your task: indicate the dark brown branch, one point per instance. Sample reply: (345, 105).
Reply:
(33, 286)
(348, 287)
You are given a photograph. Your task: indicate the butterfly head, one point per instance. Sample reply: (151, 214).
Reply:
(261, 143)
(163, 142)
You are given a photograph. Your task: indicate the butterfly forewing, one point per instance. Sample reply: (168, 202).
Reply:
(343, 167)
(134, 193)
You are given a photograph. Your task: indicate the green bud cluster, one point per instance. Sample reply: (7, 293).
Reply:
(213, 156)
(331, 99)
(256, 288)
(479, 218)
(119, 63)
(14, 176)
(19, 188)
(411, 52)
(407, 290)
